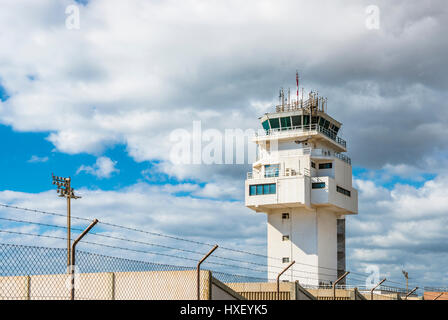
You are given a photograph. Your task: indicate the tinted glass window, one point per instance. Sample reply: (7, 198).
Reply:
(306, 120)
(259, 189)
(265, 189)
(286, 122)
(252, 190)
(296, 121)
(272, 188)
(271, 170)
(325, 165)
(318, 185)
(266, 125)
(275, 123)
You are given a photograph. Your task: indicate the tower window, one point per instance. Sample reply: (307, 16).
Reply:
(343, 191)
(262, 189)
(275, 123)
(271, 170)
(296, 121)
(252, 190)
(321, 121)
(306, 120)
(325, 165)
(285, 122)
(285, 260)
(318, 185)
(285, 215)
(285, 238)
(265, 125)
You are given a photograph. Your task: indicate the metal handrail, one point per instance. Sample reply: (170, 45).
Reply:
(313, 127)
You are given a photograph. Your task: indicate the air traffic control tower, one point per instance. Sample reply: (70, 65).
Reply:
(302, 181)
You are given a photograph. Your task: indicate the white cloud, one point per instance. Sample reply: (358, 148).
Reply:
(35, 159)
(104, 167)
(145, 207)
(136, 71)
(404, 226)
(400, 228)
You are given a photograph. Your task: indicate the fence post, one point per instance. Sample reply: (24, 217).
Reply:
(199, 271)
(373, 289)
(438, 296)
(28, 288)
(73, 252)
(278, 278)
(411, 292)
(337, 281)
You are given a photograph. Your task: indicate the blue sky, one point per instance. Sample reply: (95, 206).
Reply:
(98, 102)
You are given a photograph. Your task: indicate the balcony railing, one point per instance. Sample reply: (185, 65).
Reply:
(343, 157)
(313, 127)
(287, 173)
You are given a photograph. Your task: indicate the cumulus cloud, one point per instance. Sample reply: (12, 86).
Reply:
(399, 228)
(404, 226)
(157, 209)
(104, 167)
(136, 71)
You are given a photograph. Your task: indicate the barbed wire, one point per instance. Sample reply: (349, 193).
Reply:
(153, 244)
(161, 254)
(173, 238)
(168, 236)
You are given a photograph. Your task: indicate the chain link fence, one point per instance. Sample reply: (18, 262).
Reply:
(32, 273)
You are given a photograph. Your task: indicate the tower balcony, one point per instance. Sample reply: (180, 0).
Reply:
(325, 192)
(297, 189)
(303, 131)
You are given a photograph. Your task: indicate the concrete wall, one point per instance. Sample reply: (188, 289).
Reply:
(301, 227)
(312, 244)
(150, 285)
(341, 294)
(327, 245)
(268, 291)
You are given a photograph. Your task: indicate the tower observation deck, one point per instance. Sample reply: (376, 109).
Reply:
(302, 180)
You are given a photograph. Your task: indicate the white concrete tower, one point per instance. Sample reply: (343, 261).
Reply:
(302, 180)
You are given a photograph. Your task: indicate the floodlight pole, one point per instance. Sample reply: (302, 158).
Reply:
(406, 275)
(65, 190)
(69, 223)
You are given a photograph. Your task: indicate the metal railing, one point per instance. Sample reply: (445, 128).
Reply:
(343, 157)
(313, 127)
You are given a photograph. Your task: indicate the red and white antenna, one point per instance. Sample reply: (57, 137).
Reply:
(297, 81)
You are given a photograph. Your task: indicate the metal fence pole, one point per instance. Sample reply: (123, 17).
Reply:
(438, 296)
(411, 292)
(278, 278)
(73, 252)
(337, 281)
(199, 271)
(373, 289)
